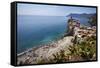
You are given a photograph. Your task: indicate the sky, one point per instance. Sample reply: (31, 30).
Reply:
(51, 10)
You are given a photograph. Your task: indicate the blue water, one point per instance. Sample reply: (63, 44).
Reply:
(37, 30)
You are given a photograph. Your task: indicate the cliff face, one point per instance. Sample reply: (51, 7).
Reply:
(70, 26)
(92, 20)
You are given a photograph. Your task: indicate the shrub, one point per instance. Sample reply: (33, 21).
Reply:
(86, 49)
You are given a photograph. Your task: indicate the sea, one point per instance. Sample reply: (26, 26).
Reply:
(36, 30)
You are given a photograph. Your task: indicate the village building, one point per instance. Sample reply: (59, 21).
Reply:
(79, 31)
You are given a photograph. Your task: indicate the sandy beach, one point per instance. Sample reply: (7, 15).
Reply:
(44, 52)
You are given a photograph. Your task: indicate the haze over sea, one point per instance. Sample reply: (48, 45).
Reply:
(37, 30)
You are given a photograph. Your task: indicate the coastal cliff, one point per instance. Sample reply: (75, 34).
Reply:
(71, 24)
(78, 44)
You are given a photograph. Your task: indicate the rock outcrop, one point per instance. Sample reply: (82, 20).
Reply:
(70, 27)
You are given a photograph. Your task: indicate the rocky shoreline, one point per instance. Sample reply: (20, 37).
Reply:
(45, 52)
(76, 34)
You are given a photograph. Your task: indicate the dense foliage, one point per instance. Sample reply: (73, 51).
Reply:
(92, 20)
(83, 51)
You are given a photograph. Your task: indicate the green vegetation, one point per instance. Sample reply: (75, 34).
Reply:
(59, 57)
(92, 20)
(86, 50)
(83, 51)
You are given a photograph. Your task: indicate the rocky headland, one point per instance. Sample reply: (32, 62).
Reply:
(62, 50)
